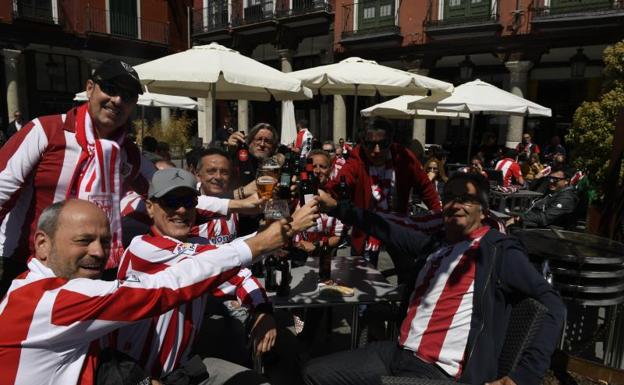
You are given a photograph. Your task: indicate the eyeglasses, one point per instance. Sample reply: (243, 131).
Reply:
(462, 199)
(263, 140)
(383, 144)
(475, 165)
(112, 89)
(175, 202)
(555, 179)
(432, 169)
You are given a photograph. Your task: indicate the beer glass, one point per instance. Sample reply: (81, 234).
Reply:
(267, 177)
(275, 210)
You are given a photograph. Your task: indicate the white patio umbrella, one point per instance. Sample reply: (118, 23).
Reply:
(397, 109)
(151, 99)
(216, 72)
(289, 125)
(480, 97)
(356, 76)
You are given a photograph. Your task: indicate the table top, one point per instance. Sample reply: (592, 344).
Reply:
(369, 284)
(518, 194)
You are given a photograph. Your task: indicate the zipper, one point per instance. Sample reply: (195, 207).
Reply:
(482, 297)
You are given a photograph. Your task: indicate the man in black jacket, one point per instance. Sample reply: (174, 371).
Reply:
(557, 208)
(459, 309)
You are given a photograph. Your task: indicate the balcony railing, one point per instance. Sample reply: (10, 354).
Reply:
(260, 11)
(213, 18)
(35, 11)
(463, 16)
(579, 8)
(116, 24)
(369, 17)
(301, 7)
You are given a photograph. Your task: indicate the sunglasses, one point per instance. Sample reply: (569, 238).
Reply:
(432, 169)
(383, 144)
(554, 179)
(112, 89)
(175, 202)
(462, 199)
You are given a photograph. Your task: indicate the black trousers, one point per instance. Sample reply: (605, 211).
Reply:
(366, 365)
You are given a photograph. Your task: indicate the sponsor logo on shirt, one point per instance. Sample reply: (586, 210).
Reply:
(185, 249)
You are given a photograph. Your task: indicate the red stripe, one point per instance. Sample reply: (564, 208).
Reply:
(101, 161)
(446, 307)
(112, 169)
(149, 342)
(417, 297)
(93, 175)
(87, 373)
(146, 266)
(127, 303)
(187, 332)
(160, 242)
(16, 319)
(167, 345)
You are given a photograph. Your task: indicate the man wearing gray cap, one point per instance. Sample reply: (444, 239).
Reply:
(82, 154)
(160, 343)
(55, 313)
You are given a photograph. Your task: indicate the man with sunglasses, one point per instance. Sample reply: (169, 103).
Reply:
(557, 208)
(84, 153)
(380, 175)
(465, 281)
(163, 345)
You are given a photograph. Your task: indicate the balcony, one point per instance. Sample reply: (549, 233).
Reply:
(103, 22)
(37, 11)
(463, 19)
(302, 7)
(578, 15)
(259, 11)
(371, 22)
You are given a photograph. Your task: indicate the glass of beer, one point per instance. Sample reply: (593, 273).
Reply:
(275, 210)
(266, 182)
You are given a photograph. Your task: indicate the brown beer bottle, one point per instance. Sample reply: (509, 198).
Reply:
(325, 263)
(245, 168)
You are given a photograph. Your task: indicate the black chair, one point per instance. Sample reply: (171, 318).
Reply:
(525, 320)
(495, 177)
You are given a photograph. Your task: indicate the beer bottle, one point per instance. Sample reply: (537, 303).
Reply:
(283, 189)
(311, 176)
(270, 279)
(343, 188)
(306, 189)
(245, 167)
(283, 289)
(325, 263)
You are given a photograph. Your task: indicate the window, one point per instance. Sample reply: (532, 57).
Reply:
(385, 10)
(369, 13)
(123, 18)
(455, 3)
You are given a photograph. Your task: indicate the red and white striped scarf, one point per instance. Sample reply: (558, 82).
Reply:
(97, 176)
(383, 184)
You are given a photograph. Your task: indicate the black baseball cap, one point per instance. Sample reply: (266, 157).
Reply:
(115, 68)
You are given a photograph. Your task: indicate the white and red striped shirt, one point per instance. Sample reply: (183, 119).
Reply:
(337, 164)
(326, 227)
(52, 326)
(218, 230)
(37, 168)
(303, 142)
(438, 317)
(510, 168)
(162, 343)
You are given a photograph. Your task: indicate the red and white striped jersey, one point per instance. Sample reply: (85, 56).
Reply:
(218, 230)
(37, 167)
(303, 142)
(510, 168)
(326, 227)
(440, 310)
(337, 164)
(160, 344)
(52, 326)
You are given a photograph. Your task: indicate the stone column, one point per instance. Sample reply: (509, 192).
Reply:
(440, 131)
(340, 118)
(243, 115)
(165, 116)
(11, 74)
(518, 77)
(205, 119)
(419, 127)
(286, 57)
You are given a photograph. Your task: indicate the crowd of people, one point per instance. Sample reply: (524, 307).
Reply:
(115, 262)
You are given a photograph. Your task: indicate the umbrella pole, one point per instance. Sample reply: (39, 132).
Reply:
(355, 115)
(472, 125)
(142, 126)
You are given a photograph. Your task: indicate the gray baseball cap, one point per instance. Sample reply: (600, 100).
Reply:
(167, 180)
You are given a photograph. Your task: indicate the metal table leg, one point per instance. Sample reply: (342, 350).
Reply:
(355, 326)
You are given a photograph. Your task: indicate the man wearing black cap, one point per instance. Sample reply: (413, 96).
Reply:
(82, 154)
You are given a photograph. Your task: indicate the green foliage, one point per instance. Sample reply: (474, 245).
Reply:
(176, 133)
(593, 125)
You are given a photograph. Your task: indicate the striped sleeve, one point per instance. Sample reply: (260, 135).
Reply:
(97, 307)
(18, 157)
(245, 287)
(209, 207)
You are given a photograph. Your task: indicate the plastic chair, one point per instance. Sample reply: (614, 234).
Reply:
(525, 320)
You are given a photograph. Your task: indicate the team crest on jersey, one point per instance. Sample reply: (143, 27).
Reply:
(185, 249)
